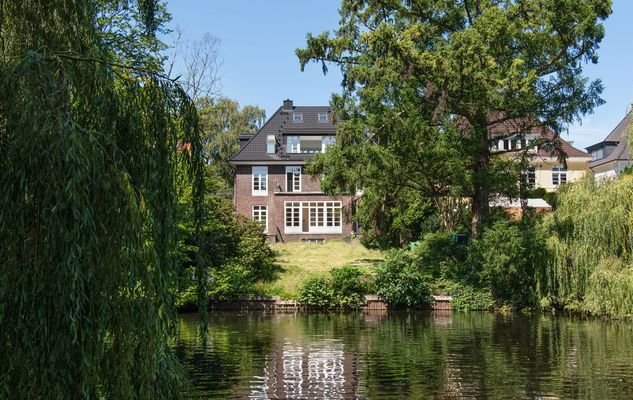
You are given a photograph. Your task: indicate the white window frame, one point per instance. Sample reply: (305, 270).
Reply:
(259, 183)
(324, 217)
(559, 175)
(327, 141)
(270, 144)
(297, 116)
(530, 177)
(293, 144)
(259, 211)
(292, 216)
(322, 117)
(296, 179)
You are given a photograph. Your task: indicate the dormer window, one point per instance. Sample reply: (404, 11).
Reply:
(297, 117)
(270, 144)
(323, 117)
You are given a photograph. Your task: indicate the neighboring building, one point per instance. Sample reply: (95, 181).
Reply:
(611, 156)
(271, 185)
(545, 169)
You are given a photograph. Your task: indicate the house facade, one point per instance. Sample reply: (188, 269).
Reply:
(271, 185)
(611, 156)
(542, 147)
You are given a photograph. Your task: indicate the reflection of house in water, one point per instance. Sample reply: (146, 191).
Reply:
(316, 370)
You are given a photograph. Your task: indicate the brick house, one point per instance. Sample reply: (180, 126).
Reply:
(271, 185)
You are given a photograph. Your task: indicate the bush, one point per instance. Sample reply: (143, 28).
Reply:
(469, 298)
(508, 256)
(400, 282)
(438, 255)
(232, 281)
(349, 286)
(316, 291)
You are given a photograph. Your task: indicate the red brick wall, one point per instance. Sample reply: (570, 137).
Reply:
(244, 200)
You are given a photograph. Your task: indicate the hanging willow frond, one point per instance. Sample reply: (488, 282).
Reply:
(88, 151)
(592, 234)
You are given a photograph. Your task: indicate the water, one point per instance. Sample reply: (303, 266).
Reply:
(407, 356)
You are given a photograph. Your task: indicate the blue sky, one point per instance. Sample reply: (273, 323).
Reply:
(259, 67)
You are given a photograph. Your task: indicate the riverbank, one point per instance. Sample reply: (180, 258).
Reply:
(301, 259)
(277, 304)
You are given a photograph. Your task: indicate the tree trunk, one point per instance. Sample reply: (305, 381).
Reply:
(481, 192)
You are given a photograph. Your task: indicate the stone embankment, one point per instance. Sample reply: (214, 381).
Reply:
(276, 304)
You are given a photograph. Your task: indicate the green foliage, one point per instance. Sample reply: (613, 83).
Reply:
(470, 298)
(316, 291)
(537, 193)
(400, 282)
(508, 257)
(232, 281)
(345, 288)
(610, 289)
(349, 286)
(592, 246)
(552, 199)
(424, 82)
(222, 121)
(89, 132)
(438, 255)
(234, 250)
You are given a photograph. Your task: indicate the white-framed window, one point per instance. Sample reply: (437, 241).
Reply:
(327, 141)
(293, 179)
(559, 175)
(323, 117)
(260, 215)
(293, 144)
(270, 144)
(320, 217)
(292, 216)
(260, 181)
(530, 176)
(297, 117)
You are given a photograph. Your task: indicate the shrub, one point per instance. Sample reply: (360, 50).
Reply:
(349, 286)
(469, 298)
(400, 282)
(316, 291)
(508, 256)
(232, 281)
(437, 254)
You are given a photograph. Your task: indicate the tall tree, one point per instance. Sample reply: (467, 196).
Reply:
(459, 67)
(222, 122)
(89, 132)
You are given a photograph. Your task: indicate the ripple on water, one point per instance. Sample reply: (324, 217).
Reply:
(406, 356)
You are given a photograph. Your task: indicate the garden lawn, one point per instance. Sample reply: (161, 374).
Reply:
(300, 259)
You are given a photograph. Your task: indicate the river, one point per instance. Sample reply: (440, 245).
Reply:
(426, 355)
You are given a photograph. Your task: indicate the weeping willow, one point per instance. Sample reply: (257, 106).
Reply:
(88, 148)
(591, 268)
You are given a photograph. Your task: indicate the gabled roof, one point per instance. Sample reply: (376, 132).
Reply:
(281, 122)
(525, 126)
(619, 135)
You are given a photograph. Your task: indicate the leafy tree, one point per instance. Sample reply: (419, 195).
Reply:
(231, 247)
(89, 131)
(222, 121)
(422, 74)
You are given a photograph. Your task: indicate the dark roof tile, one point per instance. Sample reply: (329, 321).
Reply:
(281, 123)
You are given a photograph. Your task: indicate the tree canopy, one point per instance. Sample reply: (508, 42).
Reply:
(222, 122)
(427, 74)
(89, 137)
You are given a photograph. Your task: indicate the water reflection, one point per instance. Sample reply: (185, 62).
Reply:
(407, 356)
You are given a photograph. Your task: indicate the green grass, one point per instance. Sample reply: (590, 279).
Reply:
(300, 259)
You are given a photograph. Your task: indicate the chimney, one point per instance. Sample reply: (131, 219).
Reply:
(287, 105)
